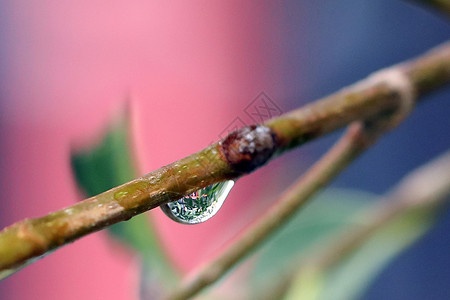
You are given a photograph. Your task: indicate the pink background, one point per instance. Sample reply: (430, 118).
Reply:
(189, 68)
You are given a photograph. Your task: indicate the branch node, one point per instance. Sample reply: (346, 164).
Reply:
(398, 81)
(248, 148)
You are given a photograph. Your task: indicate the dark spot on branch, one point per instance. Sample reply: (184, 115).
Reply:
(248, 148)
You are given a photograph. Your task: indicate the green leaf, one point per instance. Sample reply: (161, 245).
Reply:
(110, 163)
(323, 216)
(350, 277)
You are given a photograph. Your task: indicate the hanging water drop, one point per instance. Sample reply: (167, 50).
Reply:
(199, 206)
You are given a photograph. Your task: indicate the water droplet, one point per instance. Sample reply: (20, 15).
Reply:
(199, 206)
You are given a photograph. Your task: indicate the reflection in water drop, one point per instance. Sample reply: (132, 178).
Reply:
(199, 206)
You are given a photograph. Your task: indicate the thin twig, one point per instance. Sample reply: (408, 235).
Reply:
(422, 190)
(239, 153)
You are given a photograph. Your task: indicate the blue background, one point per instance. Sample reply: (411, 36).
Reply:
(344, 42)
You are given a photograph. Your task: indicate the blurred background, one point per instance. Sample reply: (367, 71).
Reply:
(187, 72)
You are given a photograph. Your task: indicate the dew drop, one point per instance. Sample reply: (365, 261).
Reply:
(199, 206)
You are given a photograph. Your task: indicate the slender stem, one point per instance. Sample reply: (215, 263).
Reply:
(239, 153)
(422, 190)
(425, 188)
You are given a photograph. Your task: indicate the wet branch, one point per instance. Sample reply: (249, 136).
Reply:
(359, 136)
(238, 154)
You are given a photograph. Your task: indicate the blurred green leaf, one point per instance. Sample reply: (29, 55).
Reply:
(110, 163)
(322, 217)
(350, 277)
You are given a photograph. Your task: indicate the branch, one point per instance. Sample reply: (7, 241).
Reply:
(359, 137)
(423, 190)
(239, 153)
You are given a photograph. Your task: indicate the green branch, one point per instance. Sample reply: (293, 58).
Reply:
(239, 153)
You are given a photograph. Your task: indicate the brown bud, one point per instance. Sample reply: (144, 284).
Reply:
(248, 148)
